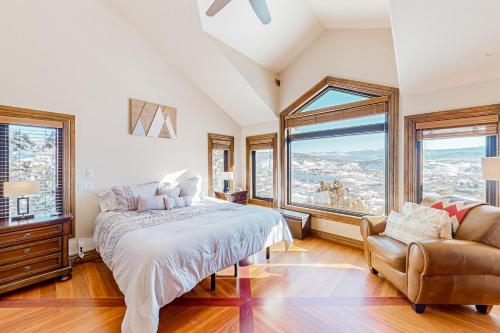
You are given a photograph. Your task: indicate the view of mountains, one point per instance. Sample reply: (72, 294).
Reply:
(371, 154)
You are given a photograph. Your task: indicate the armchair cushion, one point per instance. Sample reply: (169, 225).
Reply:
(453, 257)
(389, 250)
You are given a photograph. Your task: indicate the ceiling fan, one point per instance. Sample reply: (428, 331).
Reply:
(259, 7)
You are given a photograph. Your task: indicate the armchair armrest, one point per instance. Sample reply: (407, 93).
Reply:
(372, 225)
(453, 257)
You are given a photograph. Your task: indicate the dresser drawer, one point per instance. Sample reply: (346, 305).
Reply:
(30, 250)
(27, 235)
(29, 267)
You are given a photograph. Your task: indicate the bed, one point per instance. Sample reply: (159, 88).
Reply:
(158, 255)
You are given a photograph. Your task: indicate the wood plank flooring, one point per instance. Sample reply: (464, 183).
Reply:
(317, 286)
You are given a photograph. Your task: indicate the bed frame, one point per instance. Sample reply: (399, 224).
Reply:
(236, 269)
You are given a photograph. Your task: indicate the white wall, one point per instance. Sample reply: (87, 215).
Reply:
(82, 58)
(364, 55)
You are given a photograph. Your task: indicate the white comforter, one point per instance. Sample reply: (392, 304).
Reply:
(157, 256)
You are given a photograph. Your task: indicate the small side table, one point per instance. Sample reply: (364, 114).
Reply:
(239, 197)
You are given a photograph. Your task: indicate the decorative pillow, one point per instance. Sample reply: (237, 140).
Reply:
(165, 191)
(189, 187)
(150, 203)
(407, 230)
(179, 202)
(169, 202)
(457, 208)
(127, 195)
(436, 216)
(107, 201)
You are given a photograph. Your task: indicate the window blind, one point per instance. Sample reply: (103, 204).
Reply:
(30, 152)
(460, 131)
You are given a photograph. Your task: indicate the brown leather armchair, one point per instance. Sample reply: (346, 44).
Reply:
(465, 270)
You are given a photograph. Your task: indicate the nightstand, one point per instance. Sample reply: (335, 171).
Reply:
(33, 250)
(239, 197)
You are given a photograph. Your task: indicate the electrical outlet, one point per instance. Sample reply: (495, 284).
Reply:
(80, 248)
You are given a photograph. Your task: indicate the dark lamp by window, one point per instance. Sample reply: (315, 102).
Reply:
(227, 176)
(21, 189)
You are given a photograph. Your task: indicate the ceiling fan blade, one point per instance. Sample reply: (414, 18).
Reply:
(216, 7)
(260, 8)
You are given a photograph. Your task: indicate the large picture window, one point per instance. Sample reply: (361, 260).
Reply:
(445, 159)
(339, 150)
(37, 146)
(262, 169)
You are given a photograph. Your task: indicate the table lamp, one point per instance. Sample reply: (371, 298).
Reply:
(227, 176)
(491, 168)
(21, 189)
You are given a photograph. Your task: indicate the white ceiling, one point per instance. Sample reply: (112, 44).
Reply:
(352, 14)
(293, 26)
(437, 43)
(445, 43)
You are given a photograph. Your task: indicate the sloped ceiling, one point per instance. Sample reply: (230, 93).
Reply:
(292, 28)
(352, 14)
(174, 28)
(445, 43)
(234, 59)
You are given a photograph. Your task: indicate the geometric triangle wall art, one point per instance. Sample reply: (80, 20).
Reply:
(152, 120)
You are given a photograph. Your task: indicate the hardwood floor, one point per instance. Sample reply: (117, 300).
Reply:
(318, 286)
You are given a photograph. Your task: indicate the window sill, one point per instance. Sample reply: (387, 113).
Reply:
(263, 203)
(337, 217)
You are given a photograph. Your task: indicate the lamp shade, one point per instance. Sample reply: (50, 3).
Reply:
(491, 168)
(227, 175)
(19, 189)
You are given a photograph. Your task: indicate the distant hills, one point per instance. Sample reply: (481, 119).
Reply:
(376, 154)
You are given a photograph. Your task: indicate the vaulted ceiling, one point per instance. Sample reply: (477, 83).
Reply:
(234, 58)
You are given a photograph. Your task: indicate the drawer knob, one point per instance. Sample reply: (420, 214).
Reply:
(27, 235)
(27, 268)
(27, 250)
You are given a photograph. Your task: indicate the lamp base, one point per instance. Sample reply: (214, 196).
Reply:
(226, 186)
(22, 217)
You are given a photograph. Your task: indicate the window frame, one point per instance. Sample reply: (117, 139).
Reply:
(262, 141)
(223, 142)
(413, 150)
(384, 100)
(22, 116)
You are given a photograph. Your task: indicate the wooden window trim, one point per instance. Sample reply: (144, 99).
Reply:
(456, 117)
(383, 95)
(262, 141)
(67, 123)
(219, 141)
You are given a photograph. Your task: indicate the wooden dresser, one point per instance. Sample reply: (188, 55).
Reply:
(239, 197)
(33, 250)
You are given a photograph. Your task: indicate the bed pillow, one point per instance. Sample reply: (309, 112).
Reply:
(191, 188)
(127, 195)
(438, 217)
(107, 201)
(164, 190)
(407, 229)
(179, 202)
(150, 203)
